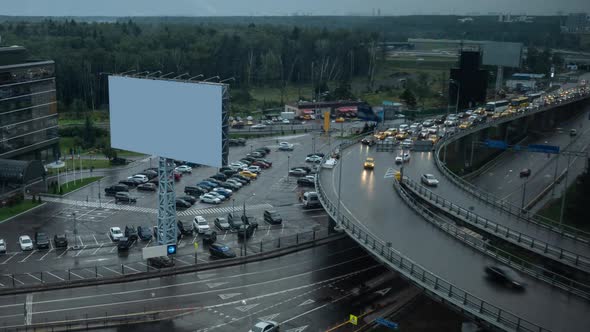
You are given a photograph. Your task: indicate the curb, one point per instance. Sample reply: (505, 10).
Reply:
(73, 191)
(27, 211)
(182, 270)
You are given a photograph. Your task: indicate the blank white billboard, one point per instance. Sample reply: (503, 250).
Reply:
(503, 54)
(176, 120)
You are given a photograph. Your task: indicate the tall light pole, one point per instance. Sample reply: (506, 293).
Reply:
(313, 143)
(75, 231)
(246, 223)
(523, 194)
(288, 166)
(567, 172)
(341, 164)
(458, 93)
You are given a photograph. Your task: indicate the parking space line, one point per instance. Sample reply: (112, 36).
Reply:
(224, 235)
(195, 239)
(42, 257)
(129, 267)
(95, 238)
(57, 277)
(97, 249)
(9, 258)
(95, 272)
(147, 245)
(80, 238)
(76, 275)
(180, 260)
(268, 232)
(32, 276)
(63, 253)
(12, 277)
(2, 285)
(117, 272)
(113, 249)
(80, 251)
(24, 259)
(141, 263)
(282, 227)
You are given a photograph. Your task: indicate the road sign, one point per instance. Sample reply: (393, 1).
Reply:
(386, 323)
(543, 148)
(491, 143)
(354, 320)
(171, 249)
(155, 251)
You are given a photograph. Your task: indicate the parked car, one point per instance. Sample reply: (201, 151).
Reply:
(229, 172)
(115, 233)
(254, 169)
(272, 217)
(124, 244)
(194, 191)
(160, 262)
(147, 187)
(230, 185)
(150, 173)
(131, 233)
(286, 147)
(241, 177)
(573, 132)
(305, 182)
(209, 199)
(429, 180)
(184, 169)
(248, 174)
(245, 231)
(215, 181)
(234, 221)
(25, 242)
(41, 240)
(222, 224)
(2, 246)
(185, 227)
(260, 164)
(188, 198)
(112, 190)
(219, 177)
(224, 192)
(60, 241)
(209, 236)
(265, 326)
(131, 182)
(220, 250)
(297, 172)
(124, 197)
(505, 276)
(180, 203)
(140, 177)
(200, 224)
(144, 233)
(313, 159)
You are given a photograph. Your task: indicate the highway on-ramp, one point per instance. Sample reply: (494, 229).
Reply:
(369, 199)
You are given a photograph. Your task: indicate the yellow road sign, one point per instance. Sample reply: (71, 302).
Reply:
(196, 244)
(353, 319)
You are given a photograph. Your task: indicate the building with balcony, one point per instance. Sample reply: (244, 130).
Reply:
(28, 107)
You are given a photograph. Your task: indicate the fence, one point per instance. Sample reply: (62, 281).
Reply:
(439, 287)
(522, 240)
(97, 272)
(495, 201)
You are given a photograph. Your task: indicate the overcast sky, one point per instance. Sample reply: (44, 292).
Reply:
(283, 7)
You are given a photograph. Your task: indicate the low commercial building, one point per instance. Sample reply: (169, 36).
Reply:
(318, 108)
(521, 81)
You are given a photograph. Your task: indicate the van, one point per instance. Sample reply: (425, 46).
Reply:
(311, 200)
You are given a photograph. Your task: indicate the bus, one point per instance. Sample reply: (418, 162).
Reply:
(519, 102)
(534, 96)
(497, 106)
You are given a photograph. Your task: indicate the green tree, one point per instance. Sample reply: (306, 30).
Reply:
(408, 97)
(89, 133)
(343, 91)
(110, 153)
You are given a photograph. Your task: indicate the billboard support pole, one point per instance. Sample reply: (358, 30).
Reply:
(167, 229)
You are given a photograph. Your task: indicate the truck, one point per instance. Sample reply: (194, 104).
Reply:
(288, 115)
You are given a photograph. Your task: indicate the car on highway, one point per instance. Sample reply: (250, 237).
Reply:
(573, 132)
(525, 172)
(25, 242)
(258, 126)
(41, 240)
(289, 147)
(220, 250)
(2, 246)
(407, 143)
(124, 197)
(144, 233)
(115, 233)
(369, 163)
(160, 262)
(465, 124)
(402, 158)
(429, 180)
(60, 241)
(184, 169)
(313, 159)
(147, 187)
(248, 174)
(200, 224)
(402, 135)
(265, 326)
(272, 217)
(140, 177)
(222, 224)
(131, 233)
(182, 204)
(428, 123)
(209, 199)
(305, 182)
(112, 190)
(504, 275)
(285, 121)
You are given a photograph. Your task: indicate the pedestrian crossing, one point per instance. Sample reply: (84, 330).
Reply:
(133, 208)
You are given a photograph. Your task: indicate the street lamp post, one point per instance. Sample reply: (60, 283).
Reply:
(341, 164)
(523, 194)
(313, 143)
(288, 166)
(567, 172)
(75, 231)
(246, 223)
(458, 93)
(99, 203)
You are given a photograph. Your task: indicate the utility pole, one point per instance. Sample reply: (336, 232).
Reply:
(523, 195)
(75, 231)
(341, 163)
(567, 172)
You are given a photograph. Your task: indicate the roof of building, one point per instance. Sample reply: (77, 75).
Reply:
(526, 76)
(20, 171)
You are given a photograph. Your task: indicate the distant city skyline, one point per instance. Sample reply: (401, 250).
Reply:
(277, 7)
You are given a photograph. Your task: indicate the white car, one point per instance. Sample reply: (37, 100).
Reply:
(235, 182)
(407, 143)
(210, 199)
(258, 126)
(229, 191)
(217, 195)
(139, 177)
(401, 158)
(255, 169)
(2, 246)
(25, 242)
(313, 159)
(200, 225)
(115, 233)
(403, 127)
(286, 147)
(184, 169)
(265, 326)
(286, 121)
(429, 180)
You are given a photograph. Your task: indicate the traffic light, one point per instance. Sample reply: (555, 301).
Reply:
(171, 250)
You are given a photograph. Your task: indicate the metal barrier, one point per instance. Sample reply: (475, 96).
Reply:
(435, 285)
(97, 272)
(483, 246)
(520, 239)
(564, 230)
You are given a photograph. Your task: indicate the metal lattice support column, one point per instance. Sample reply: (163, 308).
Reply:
(225, 98)
(166, 203)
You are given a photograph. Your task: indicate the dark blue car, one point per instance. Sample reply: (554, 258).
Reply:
(221, 250)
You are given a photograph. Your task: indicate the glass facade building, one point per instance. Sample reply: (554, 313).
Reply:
(28, 107)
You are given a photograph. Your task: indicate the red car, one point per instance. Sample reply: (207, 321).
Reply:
(269, 163)
(261, 164)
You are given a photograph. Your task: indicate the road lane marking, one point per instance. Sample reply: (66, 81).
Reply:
(55, 276)
(80, 251)
(107, 268)
(113, 249)
(180, 260)
(95, 238)
(42, 257)
(80, 239)
(130, 268)
(149, 242)
(24, 259)
(97, 249)
(96, 274)
(9, 258)
(76, 275)
(63, 253)
(32, 276)
(29, 309)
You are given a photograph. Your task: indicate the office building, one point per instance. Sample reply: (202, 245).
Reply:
(28, 107)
